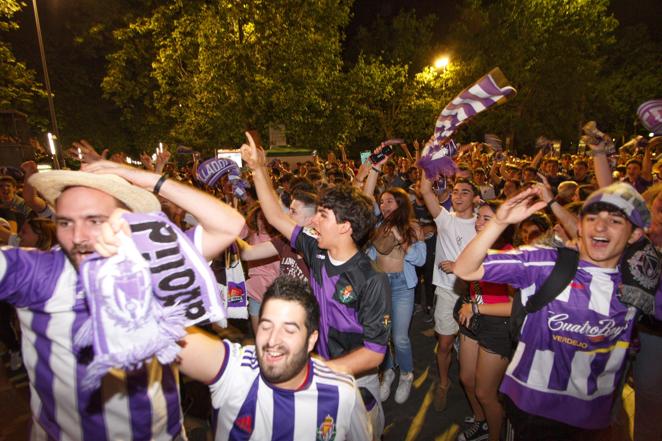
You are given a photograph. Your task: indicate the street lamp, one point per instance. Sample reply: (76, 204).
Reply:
(441, 62)
(47, 81)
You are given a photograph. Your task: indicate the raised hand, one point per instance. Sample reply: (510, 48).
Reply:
(546, 188)
(520, 206)
(29, 168)
(108, 241)
(146, 161)
(162, 158)
(251, 154)
(85, 152)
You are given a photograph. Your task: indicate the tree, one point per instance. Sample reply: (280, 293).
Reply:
(551, 51)
(18, 88)
(630, 76)
(201, 72)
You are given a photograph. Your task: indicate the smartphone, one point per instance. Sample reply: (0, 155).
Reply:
(234, 155)
(386, 151)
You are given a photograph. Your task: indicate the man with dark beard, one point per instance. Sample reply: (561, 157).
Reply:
(274, 390)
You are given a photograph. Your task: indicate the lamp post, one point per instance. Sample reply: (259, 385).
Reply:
(51, 105)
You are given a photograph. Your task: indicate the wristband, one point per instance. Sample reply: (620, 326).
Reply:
(159, 183)
(552, 202)
(376, 169)
(474, 308)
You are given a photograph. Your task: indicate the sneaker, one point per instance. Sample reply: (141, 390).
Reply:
(470, 419)
(477, 432)
(440, 397)
(385, 386)
(404, 387)
(15, 360)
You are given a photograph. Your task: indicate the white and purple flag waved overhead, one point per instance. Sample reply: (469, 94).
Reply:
(650, 114)
(491, 89)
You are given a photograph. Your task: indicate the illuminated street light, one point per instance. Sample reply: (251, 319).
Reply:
(47, 82)
(441, 62)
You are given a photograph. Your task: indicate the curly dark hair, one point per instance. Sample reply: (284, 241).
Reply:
(292, 289)
(350, 205)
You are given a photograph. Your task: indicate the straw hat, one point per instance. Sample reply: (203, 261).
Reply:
(51, 184)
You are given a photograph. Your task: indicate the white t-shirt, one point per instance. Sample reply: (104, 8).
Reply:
(453, 234)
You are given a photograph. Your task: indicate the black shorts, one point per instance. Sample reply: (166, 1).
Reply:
(492, 334)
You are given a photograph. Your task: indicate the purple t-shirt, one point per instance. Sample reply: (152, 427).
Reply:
(571, 353)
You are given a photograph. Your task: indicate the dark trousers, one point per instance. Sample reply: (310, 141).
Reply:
(527, 427)
(7, 334)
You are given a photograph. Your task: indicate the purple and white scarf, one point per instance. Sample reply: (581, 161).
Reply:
(491, 89)
(142, 299)
(211, 170)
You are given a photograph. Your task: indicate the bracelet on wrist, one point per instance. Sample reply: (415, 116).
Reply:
(552, 202)
(159, 183)
(375, 169)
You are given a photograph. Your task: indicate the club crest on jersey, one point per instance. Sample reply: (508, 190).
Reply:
(327, 430)
(346, 294)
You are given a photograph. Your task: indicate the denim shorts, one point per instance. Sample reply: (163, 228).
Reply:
(492, 334)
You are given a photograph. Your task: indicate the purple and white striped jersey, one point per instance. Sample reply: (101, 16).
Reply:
(141, 405)
(571, 353)
(326, 407)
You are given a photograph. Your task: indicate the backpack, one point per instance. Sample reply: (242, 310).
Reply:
(564, 270)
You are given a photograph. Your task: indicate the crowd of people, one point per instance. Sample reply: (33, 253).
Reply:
(336, 256)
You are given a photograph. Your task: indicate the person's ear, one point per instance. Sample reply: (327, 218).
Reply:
(637, 234)
(345, 228)
(312, 340)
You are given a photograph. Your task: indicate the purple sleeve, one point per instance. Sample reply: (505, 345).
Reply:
(515, 267)
(28, 277)
(304, 244)
(295, 235)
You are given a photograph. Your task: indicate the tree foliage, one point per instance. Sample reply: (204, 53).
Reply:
(201, 72)
(551, 51)
(19, 89)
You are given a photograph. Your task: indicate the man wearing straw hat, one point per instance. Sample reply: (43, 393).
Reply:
(47, 291)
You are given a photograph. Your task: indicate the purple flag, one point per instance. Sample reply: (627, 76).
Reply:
(489, 90)
(650, 114)
(211, 170)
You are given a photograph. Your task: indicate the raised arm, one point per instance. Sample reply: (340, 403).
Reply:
(566, 218)
(30, 196)
(221, 224)
(260, 251)
(254, 157)
(469, 264)
(430, 199)
(601, 165)
(373, 175)
(647, 163)
(201, 356)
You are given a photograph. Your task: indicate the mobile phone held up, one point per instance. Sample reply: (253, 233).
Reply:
(387, 150)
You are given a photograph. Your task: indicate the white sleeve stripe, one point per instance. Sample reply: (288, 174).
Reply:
(3, 265)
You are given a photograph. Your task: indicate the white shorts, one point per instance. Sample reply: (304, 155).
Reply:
(444, 322)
